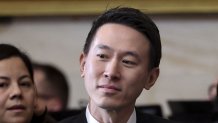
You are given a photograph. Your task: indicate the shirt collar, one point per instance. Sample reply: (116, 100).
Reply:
(91, 119)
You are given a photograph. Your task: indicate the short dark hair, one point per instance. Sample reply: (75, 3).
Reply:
(8, 51)
(56, 80)
(133, 18)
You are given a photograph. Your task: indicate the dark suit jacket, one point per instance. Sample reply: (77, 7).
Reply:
(140, 117)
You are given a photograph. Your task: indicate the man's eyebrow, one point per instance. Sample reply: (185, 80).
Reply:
(134, 54)
(102, 46)
(130, 53)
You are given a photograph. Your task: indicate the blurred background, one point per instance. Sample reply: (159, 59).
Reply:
(54, 32)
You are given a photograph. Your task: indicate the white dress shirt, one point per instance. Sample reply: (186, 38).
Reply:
(91, 119)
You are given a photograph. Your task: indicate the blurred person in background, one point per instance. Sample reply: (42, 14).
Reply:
(52, 87)
(212, 90)
(215, 100)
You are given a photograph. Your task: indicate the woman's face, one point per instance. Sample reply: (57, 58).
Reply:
(17, 92)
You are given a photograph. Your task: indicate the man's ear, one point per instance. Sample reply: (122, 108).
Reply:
(152, 77)
(82, 64)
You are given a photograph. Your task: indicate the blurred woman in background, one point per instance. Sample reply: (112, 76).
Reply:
(18, 100)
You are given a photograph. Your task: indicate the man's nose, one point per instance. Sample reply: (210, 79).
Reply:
(112, 70)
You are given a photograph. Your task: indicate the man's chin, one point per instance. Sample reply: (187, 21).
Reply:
(109, 106)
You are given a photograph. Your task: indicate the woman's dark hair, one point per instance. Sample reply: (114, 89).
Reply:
(135, 19)
(8, 51)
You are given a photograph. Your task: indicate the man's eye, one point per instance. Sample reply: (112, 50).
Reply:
(101, 56)
(127, 62)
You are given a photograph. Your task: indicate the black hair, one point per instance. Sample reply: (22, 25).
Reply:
(8, 51)
(133, 18)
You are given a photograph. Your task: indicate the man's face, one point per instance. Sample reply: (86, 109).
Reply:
(116, 70)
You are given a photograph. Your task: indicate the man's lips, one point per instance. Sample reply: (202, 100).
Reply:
(110, 87)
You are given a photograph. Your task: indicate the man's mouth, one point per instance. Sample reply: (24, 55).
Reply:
(109, 87)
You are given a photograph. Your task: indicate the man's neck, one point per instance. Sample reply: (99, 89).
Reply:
(110, 115)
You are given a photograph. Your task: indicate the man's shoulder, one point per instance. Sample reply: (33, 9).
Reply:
(81, 118)
(143, 118)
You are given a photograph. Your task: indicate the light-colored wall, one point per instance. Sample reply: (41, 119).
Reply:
(188, 66)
